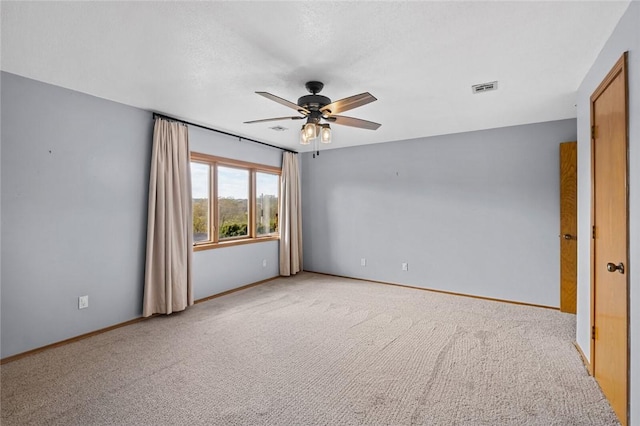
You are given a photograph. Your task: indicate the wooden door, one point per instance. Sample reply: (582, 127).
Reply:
(610, 238)
(568, 226)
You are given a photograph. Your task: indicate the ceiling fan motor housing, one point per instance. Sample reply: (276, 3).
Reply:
(313, 102)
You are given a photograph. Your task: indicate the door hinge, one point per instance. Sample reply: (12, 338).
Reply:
(593, 332)
(593, 232)
(593, 132)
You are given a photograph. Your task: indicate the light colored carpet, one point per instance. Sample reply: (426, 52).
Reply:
(317, 350)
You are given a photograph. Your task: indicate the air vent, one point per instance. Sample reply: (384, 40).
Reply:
(484, 87)
(278, 128)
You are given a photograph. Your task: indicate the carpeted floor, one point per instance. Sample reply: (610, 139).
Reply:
(316, 350)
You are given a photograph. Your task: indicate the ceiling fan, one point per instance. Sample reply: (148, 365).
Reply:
(317, 108)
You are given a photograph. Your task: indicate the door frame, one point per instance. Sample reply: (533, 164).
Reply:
(619, 67)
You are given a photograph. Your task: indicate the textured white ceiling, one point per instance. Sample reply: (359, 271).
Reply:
(203, 61)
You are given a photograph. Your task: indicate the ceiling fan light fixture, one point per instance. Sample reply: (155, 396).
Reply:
(304, 140)
(325, 134)
(310, 131)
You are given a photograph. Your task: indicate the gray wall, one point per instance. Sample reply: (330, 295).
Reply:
(626, 37)
(1, 213)
(474, 213)
(75, 172)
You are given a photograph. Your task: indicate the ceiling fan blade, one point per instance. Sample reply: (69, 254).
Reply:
(274, 119)
(354, 122)
(351, 102)
(284, 102)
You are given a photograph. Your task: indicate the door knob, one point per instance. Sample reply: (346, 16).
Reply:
(567, 237)
(612, 267)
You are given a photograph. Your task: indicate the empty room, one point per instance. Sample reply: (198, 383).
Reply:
(320, 213)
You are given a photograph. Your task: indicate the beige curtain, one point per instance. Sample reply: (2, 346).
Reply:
(290, 216)
(167, 283)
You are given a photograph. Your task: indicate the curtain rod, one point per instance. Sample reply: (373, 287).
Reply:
(155, 114)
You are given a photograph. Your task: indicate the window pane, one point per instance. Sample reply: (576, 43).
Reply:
(267, 203)
(233, 202)
(200, 198)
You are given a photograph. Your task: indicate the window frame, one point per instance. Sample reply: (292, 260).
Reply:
(214, 240)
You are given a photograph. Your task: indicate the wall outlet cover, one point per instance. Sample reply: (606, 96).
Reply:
(83, 302)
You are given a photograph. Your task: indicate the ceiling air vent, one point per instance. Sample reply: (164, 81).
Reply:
(484, 87)
(278, 128)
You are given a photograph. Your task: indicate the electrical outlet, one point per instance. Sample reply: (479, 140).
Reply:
(83, 302)
(264, 263)
(405, 266)
(363, 262)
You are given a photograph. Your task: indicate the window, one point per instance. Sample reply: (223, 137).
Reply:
(267, 190)
(234, 202)
(200, 189)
